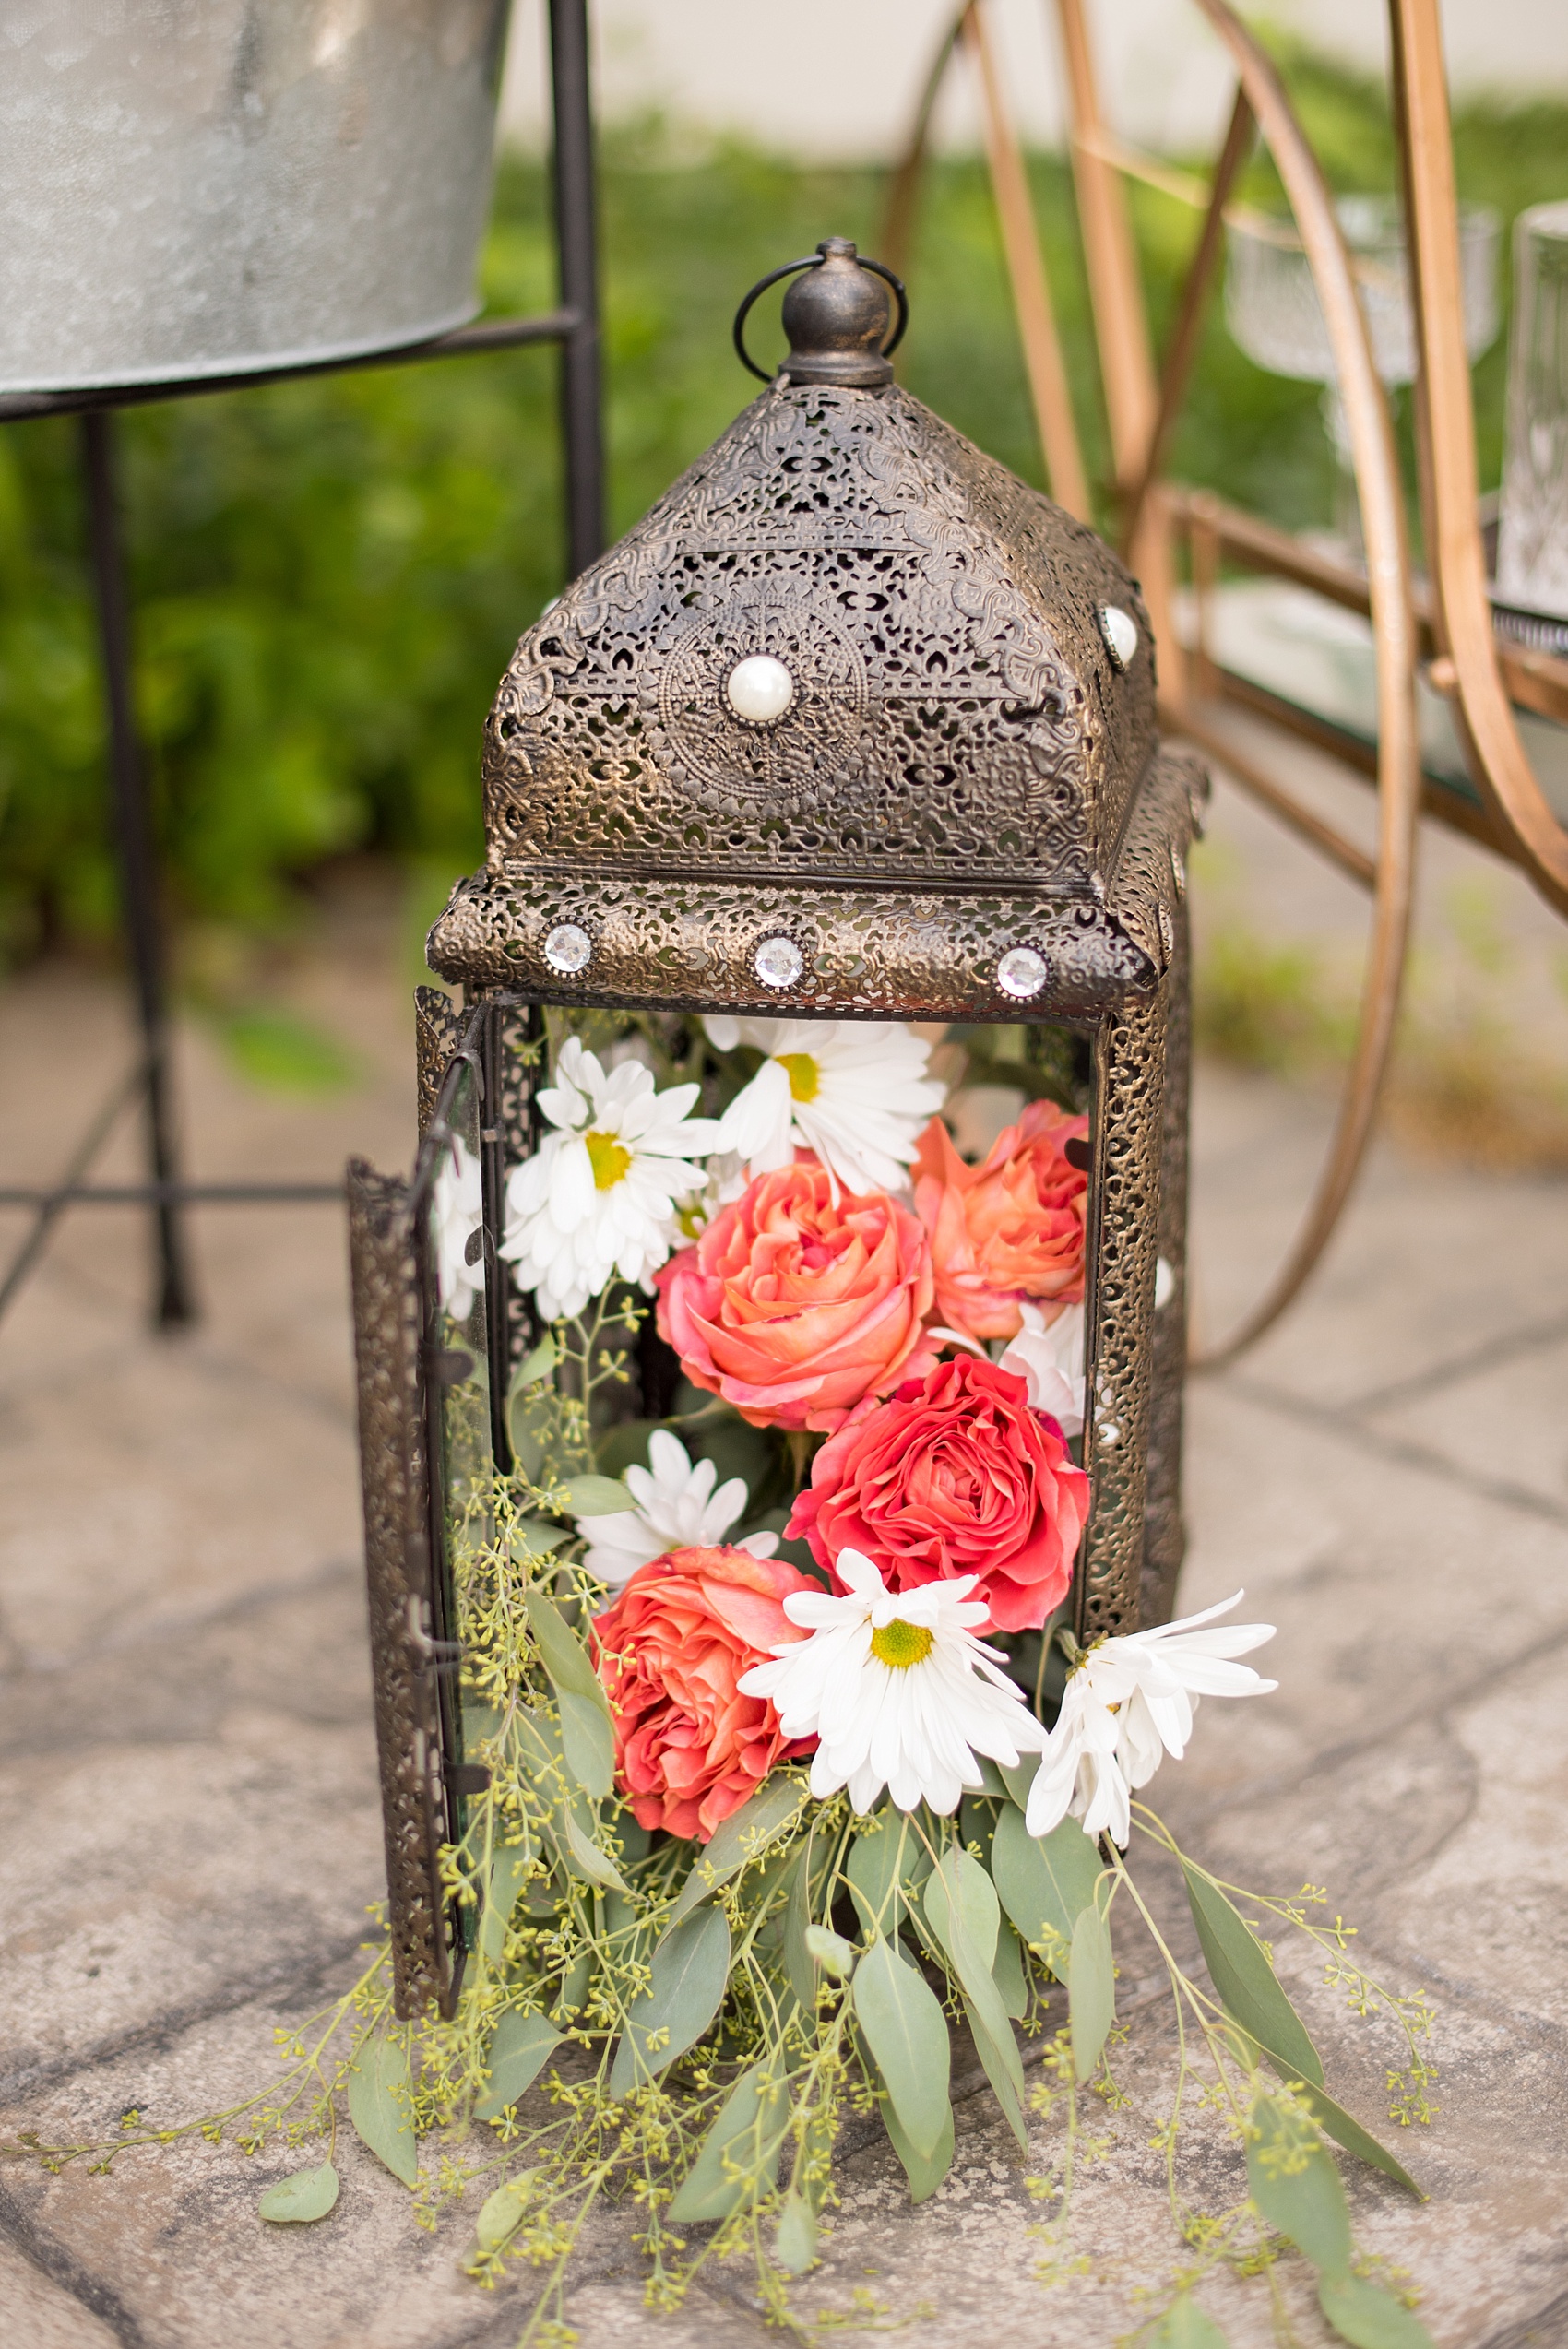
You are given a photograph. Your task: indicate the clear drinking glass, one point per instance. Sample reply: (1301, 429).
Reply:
(1532, 545)
(1274, 313)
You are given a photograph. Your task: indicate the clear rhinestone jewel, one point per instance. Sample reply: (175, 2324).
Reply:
(1022, 972)
(568, 947)
(779, 962)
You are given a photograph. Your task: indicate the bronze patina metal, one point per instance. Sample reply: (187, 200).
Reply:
(856, 724)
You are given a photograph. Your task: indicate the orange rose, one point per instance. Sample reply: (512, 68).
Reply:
(799, 1301)
(1011, 1228)
(689, 1747)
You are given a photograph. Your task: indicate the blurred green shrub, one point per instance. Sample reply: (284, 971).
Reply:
(329, 577)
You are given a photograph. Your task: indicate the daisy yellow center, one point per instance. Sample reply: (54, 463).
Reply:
(608, 1158)
(805, 1078)
(901, 1643)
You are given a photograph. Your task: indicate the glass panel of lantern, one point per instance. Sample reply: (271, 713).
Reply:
(807, 1170)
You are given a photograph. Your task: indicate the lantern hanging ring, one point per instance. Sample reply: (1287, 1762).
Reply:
(814, 261)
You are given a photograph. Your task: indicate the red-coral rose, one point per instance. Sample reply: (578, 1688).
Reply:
(955, 1476)
(797, 1302)
(689, 1747)
(1011, 1228)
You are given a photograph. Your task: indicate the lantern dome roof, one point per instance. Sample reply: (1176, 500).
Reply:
(850, 684)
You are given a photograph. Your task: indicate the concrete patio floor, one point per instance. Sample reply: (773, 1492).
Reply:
(189, 1833)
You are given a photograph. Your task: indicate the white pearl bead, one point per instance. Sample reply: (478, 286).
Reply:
(759, 688)
(1121, 632)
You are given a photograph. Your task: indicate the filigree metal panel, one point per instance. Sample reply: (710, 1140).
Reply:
(958, 716)
(1165, 1538)
(877, 954)
(395, 1479)
(1121, 1256)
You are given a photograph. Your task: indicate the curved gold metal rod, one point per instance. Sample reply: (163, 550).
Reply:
(1393, 631)
(903, 194)
(1496, 757)
(1043, 365)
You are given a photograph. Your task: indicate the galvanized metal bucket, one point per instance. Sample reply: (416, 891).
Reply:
(204, 187)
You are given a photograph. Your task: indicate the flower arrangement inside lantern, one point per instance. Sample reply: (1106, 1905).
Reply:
(770, 1379)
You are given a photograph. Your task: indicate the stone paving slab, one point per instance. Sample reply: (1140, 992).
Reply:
(188, 1825)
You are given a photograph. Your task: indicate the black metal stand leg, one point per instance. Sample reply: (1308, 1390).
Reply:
(575, 244)
(133, 834)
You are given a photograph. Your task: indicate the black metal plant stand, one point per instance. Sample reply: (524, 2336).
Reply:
(575, 327)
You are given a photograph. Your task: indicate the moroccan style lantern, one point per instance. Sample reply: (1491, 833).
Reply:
(805, 1140)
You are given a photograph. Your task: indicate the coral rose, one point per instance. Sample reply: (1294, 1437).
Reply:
(799, 1299)
(689, 1747)
(955, 1476)
(1011, 1228)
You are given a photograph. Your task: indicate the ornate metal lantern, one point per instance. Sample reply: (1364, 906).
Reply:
(853, 726)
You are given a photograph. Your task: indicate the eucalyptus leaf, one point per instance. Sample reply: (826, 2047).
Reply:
(961, 1889)
(500, 2212)
(1293, 2181)
(591, 1496)
(1367, 2317)
(1347, 2130)
(508, 1869)
(587, 1744)
(1045, 1882)
(740, 1838)
(882, 1852)
(925, 2172)
(565, 1659)
(572, 1997)
(532, 1538)
(1186, 2326)
(798, 1962)
(1091, 1990)
(689, 1971)
(739, 2157)
(537, 1364)
(830, 1950)
(906, 2032)
(1246, 1983)
(795, 2240)
(1008, 1971)
(587, 1857)
(960, 1906)
(378, 2106)
(519, 2049)
(998, 2052)
(294, 2201)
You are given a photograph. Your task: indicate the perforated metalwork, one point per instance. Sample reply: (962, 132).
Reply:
(438, 1022)
(1165, 1538)
(394, 1477)
(1121, 1256)
(957, 717)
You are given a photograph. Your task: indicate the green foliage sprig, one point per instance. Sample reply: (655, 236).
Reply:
(681, 2030)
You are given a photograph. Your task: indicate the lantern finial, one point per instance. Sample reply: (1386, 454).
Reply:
(836, 317)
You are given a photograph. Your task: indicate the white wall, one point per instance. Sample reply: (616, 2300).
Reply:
(838, 77)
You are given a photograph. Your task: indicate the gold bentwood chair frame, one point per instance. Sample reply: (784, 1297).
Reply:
(1439, 626)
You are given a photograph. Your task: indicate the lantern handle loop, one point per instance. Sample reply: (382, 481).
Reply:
(814, 261)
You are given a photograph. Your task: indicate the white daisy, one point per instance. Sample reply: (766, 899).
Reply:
(896, 1689)
(854, 1091)
(1048, 1358)
(456, 1214)
(1129, 1704)
(599, 1195)
(677, 1509)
